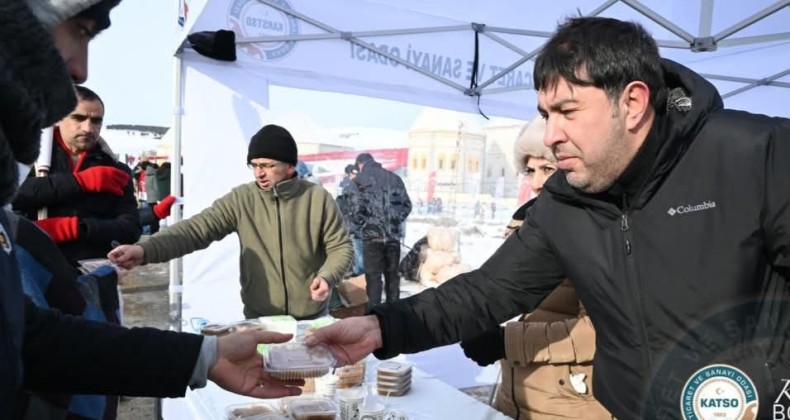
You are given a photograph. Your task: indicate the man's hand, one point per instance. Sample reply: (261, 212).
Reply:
(239, 366)
(102, 179)
(60, 229)
(486, 348)
(319, 289)
(127, 256)
(350, 339)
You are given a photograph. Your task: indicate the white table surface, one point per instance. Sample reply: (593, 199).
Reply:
(429, 398)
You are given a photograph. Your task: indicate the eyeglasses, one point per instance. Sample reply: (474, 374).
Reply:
(268, 165)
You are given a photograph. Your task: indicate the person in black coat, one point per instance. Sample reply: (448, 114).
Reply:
(88, 194)
(669, 214)
(378, 205)
(43, 49)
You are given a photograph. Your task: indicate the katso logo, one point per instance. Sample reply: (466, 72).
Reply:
(249, 18)
(719, 392)
(684, 209)
(781, 407)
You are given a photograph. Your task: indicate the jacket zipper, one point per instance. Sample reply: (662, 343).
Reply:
(282, 257)
(633, 275)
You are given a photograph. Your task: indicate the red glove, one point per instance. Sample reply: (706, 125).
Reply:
(102, 179)
(162, 208)
(60, 229)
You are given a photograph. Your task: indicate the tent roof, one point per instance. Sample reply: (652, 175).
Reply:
(420, 51)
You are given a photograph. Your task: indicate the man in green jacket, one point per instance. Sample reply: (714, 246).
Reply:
(294, 244)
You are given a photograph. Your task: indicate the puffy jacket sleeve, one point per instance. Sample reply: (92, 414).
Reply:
(339, 252)
(72, 355)
(124, 227)
(197, 232)
(564, 341)
(399, 200)
(512, 281)
(355, 210)
(38, 192)
(776, 220)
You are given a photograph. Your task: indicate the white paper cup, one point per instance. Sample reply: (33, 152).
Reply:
(349, 400)
(373, 411)
(326, 386)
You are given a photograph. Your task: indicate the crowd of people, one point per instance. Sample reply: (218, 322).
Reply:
(616, 294)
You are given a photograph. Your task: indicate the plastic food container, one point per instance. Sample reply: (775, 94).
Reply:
(312, 409)
(249, 324)
(393, 369)
(251, 411)
(297, 361)
(215, 329)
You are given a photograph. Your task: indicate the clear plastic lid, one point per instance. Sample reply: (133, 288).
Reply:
(250, 324)
(312, 409)
(392, 368)
(251, 411)
(215, 329)
(297, 361)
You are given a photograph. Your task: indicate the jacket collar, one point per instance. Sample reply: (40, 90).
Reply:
(690, 101)
(287, 189)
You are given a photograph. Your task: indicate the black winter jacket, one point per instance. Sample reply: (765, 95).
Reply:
(378, 204)
(103, 217)
(682, 264)
(61, 353)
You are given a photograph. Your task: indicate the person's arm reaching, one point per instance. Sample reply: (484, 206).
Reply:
(197, 232)
(514, 280)
(124, 227)
(69, 354)
(350, 339)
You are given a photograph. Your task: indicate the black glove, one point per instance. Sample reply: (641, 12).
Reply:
(486, 348)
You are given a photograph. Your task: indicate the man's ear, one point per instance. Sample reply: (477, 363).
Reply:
(636, 104)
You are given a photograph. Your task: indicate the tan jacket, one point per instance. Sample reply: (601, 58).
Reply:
(288, 236)
(542, 352)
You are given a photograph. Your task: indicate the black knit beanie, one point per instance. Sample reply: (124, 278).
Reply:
(273, 142)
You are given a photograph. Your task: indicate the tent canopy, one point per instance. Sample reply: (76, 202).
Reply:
(426, 52)
(423, 51)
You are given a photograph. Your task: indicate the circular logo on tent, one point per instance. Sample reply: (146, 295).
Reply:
(251, 18)
(720, 392)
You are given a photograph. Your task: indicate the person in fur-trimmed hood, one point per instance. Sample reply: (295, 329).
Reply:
(546, 356)
(43, 48)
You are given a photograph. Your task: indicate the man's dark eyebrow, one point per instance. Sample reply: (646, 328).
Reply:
(83, 117)
(557, 106)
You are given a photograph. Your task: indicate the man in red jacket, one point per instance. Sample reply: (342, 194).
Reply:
(88, 194)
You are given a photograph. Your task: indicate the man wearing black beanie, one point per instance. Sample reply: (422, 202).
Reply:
(295, 247)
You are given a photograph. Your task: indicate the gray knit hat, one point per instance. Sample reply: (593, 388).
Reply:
(53, 12)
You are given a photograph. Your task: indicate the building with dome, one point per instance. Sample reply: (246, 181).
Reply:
(462, 158)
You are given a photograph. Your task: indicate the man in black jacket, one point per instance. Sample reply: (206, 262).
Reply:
(378, 205)
(669, 214)
(43, 47)
(88, 194)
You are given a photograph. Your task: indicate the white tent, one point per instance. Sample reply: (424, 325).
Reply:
(423, 52)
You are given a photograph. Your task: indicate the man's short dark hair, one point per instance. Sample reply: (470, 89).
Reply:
(362, 158)
(604, 53)
(85, 94)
